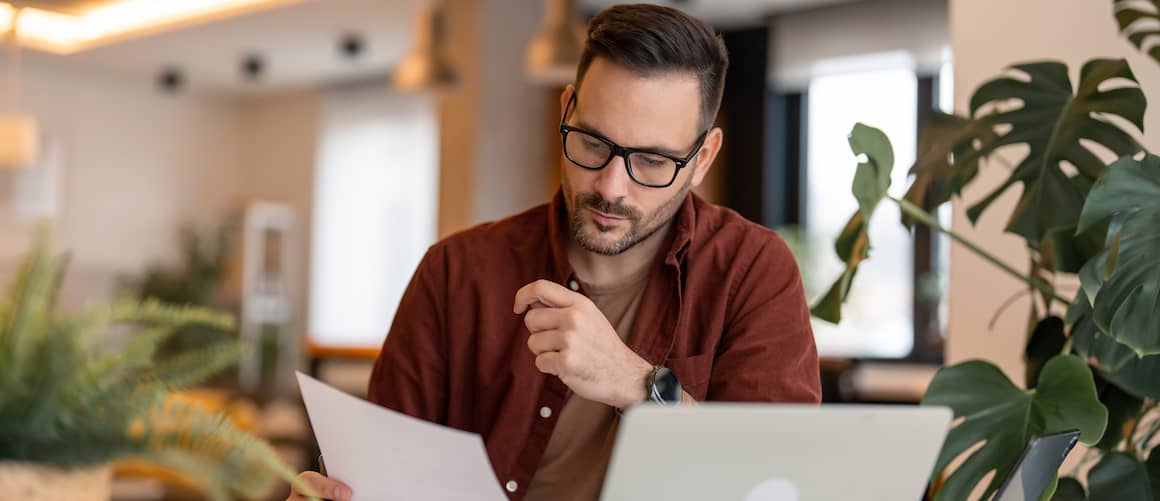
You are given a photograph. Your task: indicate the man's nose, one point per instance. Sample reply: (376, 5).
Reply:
(613, 182)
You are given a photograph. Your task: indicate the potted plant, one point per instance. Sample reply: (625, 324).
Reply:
(1097, 368)
(80, 391)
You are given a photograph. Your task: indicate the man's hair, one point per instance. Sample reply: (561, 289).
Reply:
(651, 39)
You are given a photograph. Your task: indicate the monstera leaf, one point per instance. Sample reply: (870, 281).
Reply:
(1047, 340)
(1140, 22)
(871, 180)
(1003, 417)
(937, 176)
(1119, 477)
(1069, 489)
(1051, 121)
(1123, 282)
(1123, 412)
(1138, 376)
(1088, 341)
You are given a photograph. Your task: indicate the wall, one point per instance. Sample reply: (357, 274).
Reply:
(277, 165)
(494, 160)
(799, 40)
(987, 35)
(134, 166)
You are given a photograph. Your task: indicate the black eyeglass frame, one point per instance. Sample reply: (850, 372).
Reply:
(616, 150)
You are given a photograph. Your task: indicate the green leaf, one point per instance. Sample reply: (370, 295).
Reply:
(1119, 477)
(1139, 22)
(1153, 467)
(871, 180)
(1123, 410)
(1069, 251)
(1138, 376)
(1045, 342)
(853, 247)
(1069, 489)
(1050, 120)
(1125, 277)
(1099, 349)
(872, 177)
(936, 176)
(1003, 417)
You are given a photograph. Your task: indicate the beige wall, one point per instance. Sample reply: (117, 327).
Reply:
(277, 165)
(494, 158)
(134, 166)
(987, 35)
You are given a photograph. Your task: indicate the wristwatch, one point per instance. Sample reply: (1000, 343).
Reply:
(663, 387)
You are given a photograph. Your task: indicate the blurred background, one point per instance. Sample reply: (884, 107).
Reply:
(291, 160)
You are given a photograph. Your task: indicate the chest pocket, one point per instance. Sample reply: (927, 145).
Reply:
(693, 372)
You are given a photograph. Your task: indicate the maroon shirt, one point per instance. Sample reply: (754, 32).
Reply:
(723, 308)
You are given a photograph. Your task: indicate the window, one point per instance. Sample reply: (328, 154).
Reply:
(880, 91)
(375, 203)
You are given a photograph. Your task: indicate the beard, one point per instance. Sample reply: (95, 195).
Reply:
(593, 236)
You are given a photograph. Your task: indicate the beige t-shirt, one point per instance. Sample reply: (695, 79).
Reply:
(577, 455)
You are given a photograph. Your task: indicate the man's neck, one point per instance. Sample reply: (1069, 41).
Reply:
(605, 271)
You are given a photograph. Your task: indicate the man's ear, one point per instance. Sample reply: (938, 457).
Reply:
(709, 150)
(565, 96)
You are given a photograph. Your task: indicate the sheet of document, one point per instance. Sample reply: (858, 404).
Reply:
(384, 455)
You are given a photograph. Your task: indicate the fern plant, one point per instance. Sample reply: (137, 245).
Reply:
(71, 399)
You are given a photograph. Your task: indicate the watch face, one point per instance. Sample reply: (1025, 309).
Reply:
(665, 388)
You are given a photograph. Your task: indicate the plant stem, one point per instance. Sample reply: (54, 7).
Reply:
(922, 216)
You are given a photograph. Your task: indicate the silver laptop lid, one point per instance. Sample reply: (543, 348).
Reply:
(764, 452)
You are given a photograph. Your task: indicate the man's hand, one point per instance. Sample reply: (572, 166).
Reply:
(329, 489)
(573, 341)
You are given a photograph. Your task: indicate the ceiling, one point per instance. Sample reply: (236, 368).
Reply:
(298, 41)
(726, 12)
(65, 6)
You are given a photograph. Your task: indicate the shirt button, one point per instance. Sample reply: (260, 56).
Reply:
(545, 412)
(511, 486)
(574, 285)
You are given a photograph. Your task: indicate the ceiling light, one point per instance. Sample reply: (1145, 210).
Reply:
(426, 66)
(64, 33)
(553, 54)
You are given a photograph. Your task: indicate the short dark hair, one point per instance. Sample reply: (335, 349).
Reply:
(651, 39)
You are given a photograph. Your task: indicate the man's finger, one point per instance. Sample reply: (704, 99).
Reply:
(328, 488)
(543, 319)
(546, 341)
(550, 362)
(549, 293)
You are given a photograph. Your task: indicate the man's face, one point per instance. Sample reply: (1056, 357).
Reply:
(608, 211)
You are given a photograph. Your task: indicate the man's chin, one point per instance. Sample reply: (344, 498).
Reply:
(601, 240)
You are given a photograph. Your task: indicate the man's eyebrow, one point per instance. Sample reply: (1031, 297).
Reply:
(654, 149)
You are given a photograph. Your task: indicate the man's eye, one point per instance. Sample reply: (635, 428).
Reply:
(651, 160)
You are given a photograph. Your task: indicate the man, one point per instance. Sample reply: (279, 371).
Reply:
(536, 330)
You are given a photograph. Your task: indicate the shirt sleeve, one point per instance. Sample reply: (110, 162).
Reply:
(410, 374)
(767, 353)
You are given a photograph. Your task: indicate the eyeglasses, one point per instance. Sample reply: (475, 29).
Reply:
(592, 151)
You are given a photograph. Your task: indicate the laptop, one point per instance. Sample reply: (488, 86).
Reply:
(764, 452)
(1039, 463)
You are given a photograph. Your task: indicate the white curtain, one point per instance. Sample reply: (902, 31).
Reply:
(375, 203)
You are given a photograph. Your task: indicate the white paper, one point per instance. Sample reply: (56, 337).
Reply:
(385, 455)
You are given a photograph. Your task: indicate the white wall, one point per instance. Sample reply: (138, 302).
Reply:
(987, 35)
(134, 166)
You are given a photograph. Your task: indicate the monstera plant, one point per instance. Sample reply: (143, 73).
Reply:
(1098, 368)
